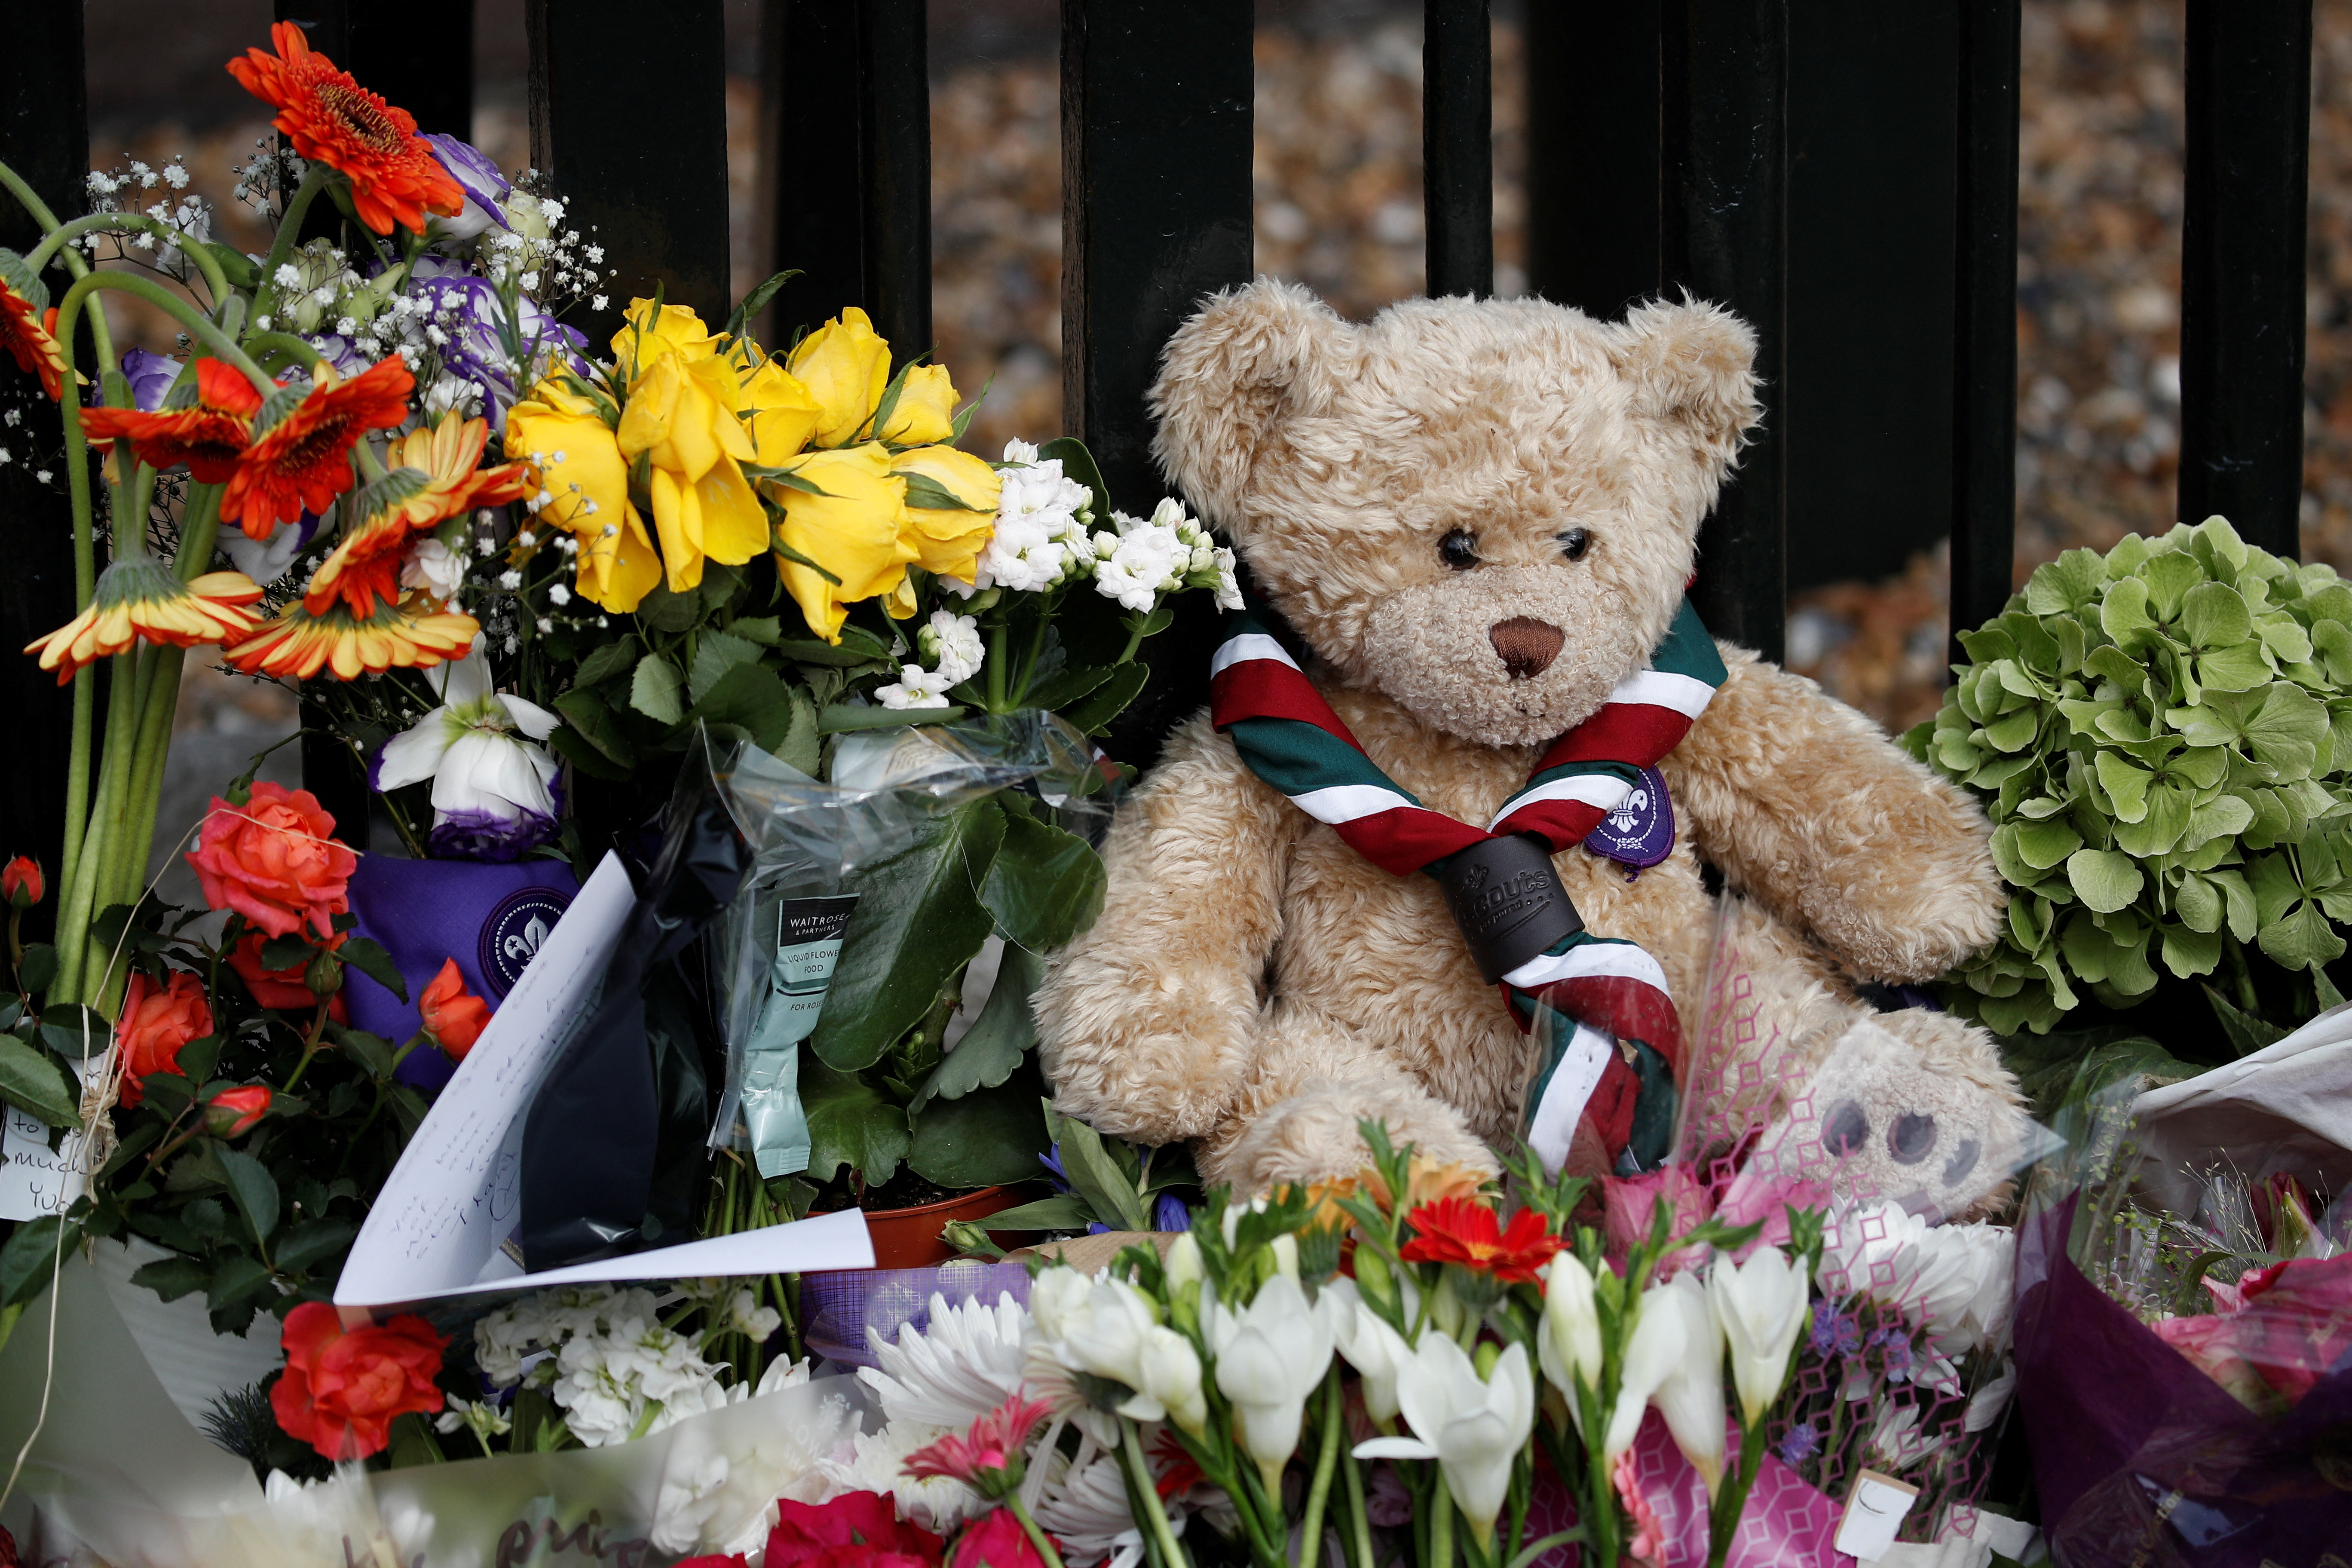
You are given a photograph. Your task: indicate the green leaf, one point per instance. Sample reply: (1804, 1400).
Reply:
(850, 1123)
(32, 1252)
(75, 1031)
(2171, 575)
(2186, 953)
(2123, 614)
(1063, 1211)
(371, 960)
(2104, 879)
(1060, 690)
(997, 1039)
(755, 697)
(2199, 903)
(2126, 785)
(312, 1240)
(2303, 938)
(172, 1277)
(2241, 667)
(1044, 886)
(1093, 713)
(2160, 827)
(2283, 734)
(1078, 464)
(250, 1183)
(988, 1136)
(654, 690)
(607, 661)
(802, 746)
(2014, 732)
(918, 920)
(40, 968)
(2063, 586)
(716, 653)
(373, 1052)
(1088, 1166)
(36, 1084)
(2246, 1033)
(855, 648)
(2043, 845)
(413, 1443)
(841, 718)
(588, 714)
(238, 1277)
(569, 743)
(667, 611)
(2224, 816)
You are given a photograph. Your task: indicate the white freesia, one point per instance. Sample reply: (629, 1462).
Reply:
(1170, 1387)
(1474, 1427)
(1370, 1346)
(1053, 1296)
(1690, 1397)
(1568, 1337)
(1184, 1270)
(1270, 1357)
(478, 750)
(1761, 1307)
(964, 1363)
(1103, 1334)
(1655, 1346)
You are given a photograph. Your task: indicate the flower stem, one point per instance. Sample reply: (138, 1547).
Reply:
(1310, 1539)
(1147, 1493)
(314, 180)
(1441, 1527)
(1723, 1519)
(66, 233)
(1359, 1521)
(1038, 1538)
(199, 326)
(309, 1048)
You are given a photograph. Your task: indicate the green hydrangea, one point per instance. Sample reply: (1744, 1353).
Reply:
(2161, 737)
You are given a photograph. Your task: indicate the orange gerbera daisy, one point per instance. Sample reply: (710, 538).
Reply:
(30, 334)
(208, 437)
(331, 118)
(1459, 1231)
(139, 600)
(365, 565)
(299, 643)
(305, 459)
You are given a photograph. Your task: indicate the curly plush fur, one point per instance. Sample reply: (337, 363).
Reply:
(1257, 986)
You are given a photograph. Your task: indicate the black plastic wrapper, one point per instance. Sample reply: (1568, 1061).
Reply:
(613, 1146)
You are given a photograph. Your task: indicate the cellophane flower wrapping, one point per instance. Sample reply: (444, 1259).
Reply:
(2176, 1415)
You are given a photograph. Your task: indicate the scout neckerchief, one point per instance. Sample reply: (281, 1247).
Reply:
(1590, 992)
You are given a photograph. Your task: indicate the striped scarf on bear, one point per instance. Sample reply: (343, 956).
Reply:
(1586, 993)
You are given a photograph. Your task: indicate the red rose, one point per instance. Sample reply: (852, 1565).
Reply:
(233, 1112)
(276, 861)
(855, 1529)
(20, 882)
(156, 1021)
(278, 987)
(997, 1541)
(341, 1390)
(453, 1017)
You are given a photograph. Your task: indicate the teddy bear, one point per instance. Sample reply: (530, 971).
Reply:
(1473, 520)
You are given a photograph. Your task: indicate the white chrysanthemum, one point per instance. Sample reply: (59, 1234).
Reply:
(965, 1363)
(877, 1464)
(1952, 1281)
(1083, 1505)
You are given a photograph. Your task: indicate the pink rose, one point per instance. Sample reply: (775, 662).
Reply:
(276, 861)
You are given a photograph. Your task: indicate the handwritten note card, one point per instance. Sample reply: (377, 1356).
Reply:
(436, 1228)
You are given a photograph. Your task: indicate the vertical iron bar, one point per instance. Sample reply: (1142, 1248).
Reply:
(1723, 87)
(1593, 182)
(814, 160)
(1156, 116)
(657, 203)
(45, 137)
(1984, 327)
(420, 56)
(1457, 146)
(897, 163)
(2242, 267)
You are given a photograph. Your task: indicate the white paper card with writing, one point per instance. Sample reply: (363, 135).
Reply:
(436, 1228)
(34, 1181)
(1873, 1513)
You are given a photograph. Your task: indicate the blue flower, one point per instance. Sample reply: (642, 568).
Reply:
(1170, 1214)
(1801, 1444)
(1052, 1160)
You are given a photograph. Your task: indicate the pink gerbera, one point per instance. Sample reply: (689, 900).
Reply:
(988, 1458)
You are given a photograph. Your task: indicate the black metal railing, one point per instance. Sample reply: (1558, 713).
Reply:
(1659, 159)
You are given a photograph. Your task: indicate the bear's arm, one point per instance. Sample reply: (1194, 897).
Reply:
(1146, 1021)
(1808, 808)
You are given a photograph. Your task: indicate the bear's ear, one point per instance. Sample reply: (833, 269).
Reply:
(1228, 377)
(1692, 366)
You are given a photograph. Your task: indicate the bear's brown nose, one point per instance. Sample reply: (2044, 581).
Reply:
(1528, 646)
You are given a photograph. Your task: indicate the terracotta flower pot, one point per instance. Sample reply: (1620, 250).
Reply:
(909, 1237)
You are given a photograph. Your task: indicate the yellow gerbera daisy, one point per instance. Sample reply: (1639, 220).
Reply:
(139, 600)
(300, 644)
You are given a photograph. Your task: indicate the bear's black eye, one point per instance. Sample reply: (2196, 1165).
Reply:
(1574, 544)
(1459, 550)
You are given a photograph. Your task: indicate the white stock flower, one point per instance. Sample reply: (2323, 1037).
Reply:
(964, 1363)
(1474, 1427)
(915, 688)
(1270, 1357)
(1690, 1397)
(433, 569)
(1761, 1307)
(1370, 1345)
(479, 749)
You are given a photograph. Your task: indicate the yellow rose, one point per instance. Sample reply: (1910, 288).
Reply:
(679, 418)
(845, 366)
(778, 411)
(647, 334)
(947, 539)
(576, 462)
(925, 411)
(852, 531)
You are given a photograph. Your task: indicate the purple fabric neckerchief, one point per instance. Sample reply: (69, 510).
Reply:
(489, 918)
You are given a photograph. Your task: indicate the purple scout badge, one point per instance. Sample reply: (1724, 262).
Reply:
(1641, 831)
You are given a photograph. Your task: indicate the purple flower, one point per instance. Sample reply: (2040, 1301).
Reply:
(479, 178)
(1170, 1214)
(468, 309)
(264, 559)
(151, 377)
(1801, 1444)
(343, 354)
(486, 835)
(1052, 1160)
(1835, 1332)
(1896, 1347)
